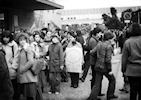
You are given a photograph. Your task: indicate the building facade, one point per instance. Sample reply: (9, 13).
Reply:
(89, 16)
(21, 13)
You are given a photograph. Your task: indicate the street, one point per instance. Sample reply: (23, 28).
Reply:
(83, 91)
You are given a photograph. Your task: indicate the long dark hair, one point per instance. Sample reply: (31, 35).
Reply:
(135, 30)
(6, 33)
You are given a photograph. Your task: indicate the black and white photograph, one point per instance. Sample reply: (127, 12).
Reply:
(70, 49)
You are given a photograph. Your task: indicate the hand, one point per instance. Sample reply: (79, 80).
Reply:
(62, 67)
(11, 60)
(110, 73)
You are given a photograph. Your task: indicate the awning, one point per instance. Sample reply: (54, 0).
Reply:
(29, 4)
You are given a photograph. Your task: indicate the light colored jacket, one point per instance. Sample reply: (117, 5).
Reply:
(11, 62)
(25, 62)
(74, 59)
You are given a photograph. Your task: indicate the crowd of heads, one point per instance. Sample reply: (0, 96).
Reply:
(44, 35)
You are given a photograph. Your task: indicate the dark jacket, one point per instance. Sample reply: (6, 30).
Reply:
(56, 58)
(6, 88)
(103, 52)
(80, 39)
(90, 44)
(131, 58)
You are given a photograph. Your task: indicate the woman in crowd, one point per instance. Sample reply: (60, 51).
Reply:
(56, 64)
(6, 88)
(79, 37)
(26, 78)
(10, 47)
(39, 54)
(74, 61)
(131, 61)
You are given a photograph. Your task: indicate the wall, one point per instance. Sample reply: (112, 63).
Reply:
(21, 18)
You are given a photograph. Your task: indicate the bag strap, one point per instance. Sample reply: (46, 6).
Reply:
(12, 47)
(26, 55)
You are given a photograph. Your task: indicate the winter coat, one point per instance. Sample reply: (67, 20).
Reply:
(25, 62)
(103, 52)
(56, 57)
(6, 88)
(11, 58)
(90, 44)
(74, 59)
(131, 57)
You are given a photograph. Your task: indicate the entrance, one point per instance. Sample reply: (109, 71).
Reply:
(2, 23)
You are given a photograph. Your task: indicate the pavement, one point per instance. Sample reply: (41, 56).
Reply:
(83, 91)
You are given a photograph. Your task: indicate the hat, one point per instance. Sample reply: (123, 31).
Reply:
(108, 35)
(95, 31)
(19, 35)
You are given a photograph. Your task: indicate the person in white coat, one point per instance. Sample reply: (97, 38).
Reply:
(74, 61)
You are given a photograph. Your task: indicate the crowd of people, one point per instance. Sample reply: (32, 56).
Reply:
(31, 60)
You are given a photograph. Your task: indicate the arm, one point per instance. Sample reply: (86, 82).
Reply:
(93, 46)
(29, 62)
(61, 54)
(124, 58)
(108, 58)
(93, 51)
(15, 59)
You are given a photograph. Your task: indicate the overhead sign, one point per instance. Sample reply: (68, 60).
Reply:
(127, 15)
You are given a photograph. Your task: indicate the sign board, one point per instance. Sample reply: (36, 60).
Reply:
(127, 15)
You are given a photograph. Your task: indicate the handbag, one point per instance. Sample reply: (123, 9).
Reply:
(38, 65)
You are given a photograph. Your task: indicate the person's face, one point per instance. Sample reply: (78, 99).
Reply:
(68, 36)
(67, 28)
(65, 34)
(31, 39)
(44, 31)
(22, 41)
(6, 39)
(48, 36)
(111, 40)
(55, 40)
(72, 38)
(37, 38)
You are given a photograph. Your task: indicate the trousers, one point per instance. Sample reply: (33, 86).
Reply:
(54, 81)
(135, 88)
(74, 79)
(96, 88)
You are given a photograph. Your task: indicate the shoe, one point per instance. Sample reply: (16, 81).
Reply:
(57, 93)
(124, 90)
(75, 86)
(72, 86)
(49, 92)
(112, 97)
(101, 94)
